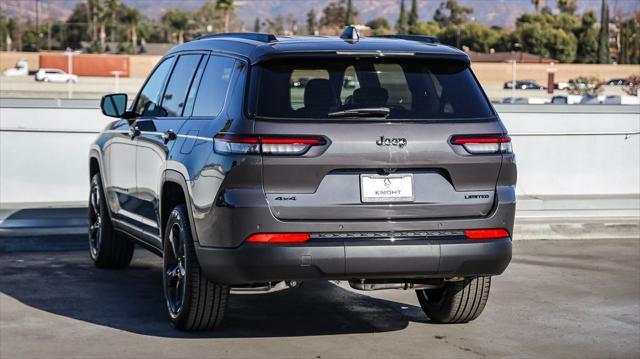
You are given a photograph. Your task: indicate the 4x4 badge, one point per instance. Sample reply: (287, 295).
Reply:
(396, 141)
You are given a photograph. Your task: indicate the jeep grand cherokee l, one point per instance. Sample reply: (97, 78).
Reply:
(403, 179)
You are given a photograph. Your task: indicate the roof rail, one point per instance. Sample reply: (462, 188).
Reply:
(419, 38)
(255, 36)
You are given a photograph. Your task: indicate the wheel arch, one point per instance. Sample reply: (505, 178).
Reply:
(96, 167)
(174, 191)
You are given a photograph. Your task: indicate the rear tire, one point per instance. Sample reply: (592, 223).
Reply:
(193, 302)
(456, 302)
(107, 248)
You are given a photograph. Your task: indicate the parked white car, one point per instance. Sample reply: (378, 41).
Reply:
(21, 69)
(55, 75)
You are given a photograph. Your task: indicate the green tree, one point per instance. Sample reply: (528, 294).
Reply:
(30, 39)
(4, 33)
(545, 40)
(276, 26)
(94, 8)
(402, 25)
(114, 8)
(473, 35)
(334, 15)
(312, 22)
(537, 4)
(379, 26)
(629, 41)
(567, 6)
(177, 21)
(209, 18)
(131, 18)
(227, 7)
(351, 14)
(604, 55)
(430, 28)
(451, 13)
(505, 40)
(585, 86)
(587, 39)
(76, 27)
(256, 25)
(414, 18)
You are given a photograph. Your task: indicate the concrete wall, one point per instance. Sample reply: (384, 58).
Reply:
(139, 66)
(561, 150)
(142, 65)
(9, 59)
(499, 73)
(487, 73)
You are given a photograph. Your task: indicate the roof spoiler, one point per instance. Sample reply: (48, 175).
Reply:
(254, 36)
(419, 38)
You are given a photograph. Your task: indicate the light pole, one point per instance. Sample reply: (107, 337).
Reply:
(515, 47)
(70, 53)
(116, 75)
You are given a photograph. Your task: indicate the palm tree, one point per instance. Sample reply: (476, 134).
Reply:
(132, 18)
(114, 7)
(227, 7)
(177, 20)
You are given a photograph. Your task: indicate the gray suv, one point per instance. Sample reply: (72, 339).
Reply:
(402, 177)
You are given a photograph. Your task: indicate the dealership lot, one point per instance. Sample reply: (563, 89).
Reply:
(557, 298)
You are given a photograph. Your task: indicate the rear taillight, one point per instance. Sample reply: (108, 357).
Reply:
(278, 238)
(484, 144)
(268, 145)
(486, 233)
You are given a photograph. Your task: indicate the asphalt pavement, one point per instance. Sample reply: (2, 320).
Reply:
(557, 299)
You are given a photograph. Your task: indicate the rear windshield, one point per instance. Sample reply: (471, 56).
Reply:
(348, 88)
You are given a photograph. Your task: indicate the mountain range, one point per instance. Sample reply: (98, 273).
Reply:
(490, 12)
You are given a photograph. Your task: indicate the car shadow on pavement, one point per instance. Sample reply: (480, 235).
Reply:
(67, 284)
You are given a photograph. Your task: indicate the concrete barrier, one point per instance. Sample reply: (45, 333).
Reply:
(562, 150)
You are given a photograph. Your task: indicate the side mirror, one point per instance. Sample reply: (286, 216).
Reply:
(114, 105)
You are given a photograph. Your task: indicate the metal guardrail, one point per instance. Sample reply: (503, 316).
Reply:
(15, 102)
(518, 134)
(611, 133)
(46, 130)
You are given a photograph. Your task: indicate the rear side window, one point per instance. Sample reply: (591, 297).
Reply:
(412, 89)
(214, 85)
(176, 93)
(147, 103)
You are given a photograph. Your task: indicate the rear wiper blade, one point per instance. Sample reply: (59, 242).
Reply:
(362, 112)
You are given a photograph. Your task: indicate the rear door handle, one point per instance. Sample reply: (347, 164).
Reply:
(169, 135)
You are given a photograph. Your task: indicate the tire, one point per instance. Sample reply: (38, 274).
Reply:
(193, 302)
(107, 248)
(456, 302)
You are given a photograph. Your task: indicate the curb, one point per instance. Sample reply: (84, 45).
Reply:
(46, 243)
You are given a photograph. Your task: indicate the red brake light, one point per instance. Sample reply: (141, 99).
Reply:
(486, 233)
(269, 145)
(465, 140)
(278, 238)
(484, 144)
(313, 141)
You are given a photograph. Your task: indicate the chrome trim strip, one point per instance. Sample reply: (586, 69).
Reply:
(196, 137)
(138, 218)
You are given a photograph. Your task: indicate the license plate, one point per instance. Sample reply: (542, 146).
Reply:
(391, 188)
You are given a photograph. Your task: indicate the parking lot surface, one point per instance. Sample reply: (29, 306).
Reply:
(556, 299)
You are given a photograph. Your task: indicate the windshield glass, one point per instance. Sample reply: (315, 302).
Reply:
(384, 89)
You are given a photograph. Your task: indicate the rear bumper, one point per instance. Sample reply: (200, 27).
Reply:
(254, 263)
